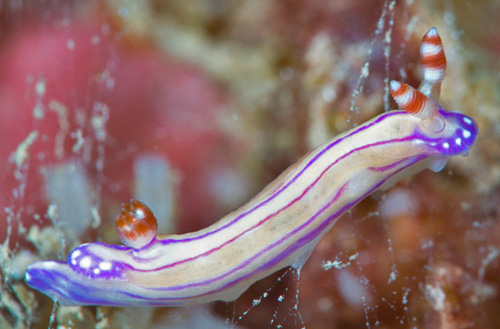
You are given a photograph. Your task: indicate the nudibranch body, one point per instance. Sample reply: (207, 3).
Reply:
(281, 225)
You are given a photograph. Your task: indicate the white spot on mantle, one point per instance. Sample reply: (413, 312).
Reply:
(105, 266)
(86, 262)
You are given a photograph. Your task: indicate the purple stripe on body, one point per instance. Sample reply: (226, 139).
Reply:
(307, 238)
(388, 167)
(301, 242)
(329, 146)
(261, 222)
(317, 231)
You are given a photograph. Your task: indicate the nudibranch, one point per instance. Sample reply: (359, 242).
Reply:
(280, 226)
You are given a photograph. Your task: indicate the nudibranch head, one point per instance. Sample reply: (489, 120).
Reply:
(458, 136)
(448, 133)
(136, 226)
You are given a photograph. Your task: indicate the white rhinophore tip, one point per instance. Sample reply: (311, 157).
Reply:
(432, 32)
(395, 85)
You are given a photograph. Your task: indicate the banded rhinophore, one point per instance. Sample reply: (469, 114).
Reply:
(280, 226)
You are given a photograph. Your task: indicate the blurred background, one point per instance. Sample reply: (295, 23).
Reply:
(194, 106)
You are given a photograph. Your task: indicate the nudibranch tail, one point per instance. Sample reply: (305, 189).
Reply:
(416, 103)
(432, 64)
(136, 226)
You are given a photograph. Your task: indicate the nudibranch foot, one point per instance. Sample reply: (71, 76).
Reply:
(57, 280)
(62, 284)
(280, 226)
